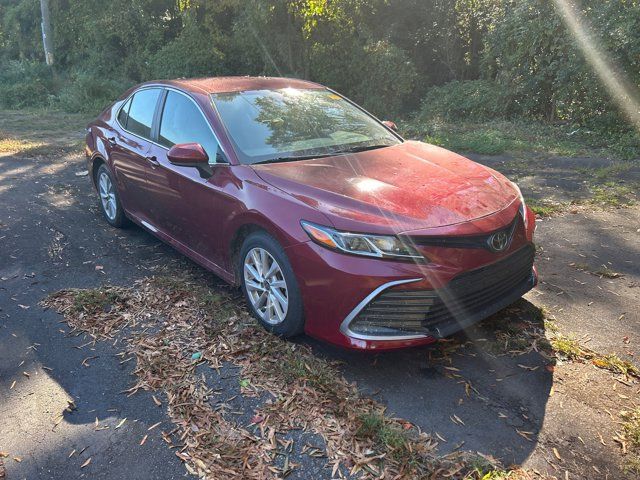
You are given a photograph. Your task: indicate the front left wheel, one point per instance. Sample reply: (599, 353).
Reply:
(108, 198)
(269, 285)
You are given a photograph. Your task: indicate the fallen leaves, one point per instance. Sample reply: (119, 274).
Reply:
(526, 367)
(154, 426)
(455, 419)
(557, 454)
(86, 463)
(525, 435)
(175, 326)
(85, 362)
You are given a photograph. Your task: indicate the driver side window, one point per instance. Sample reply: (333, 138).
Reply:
(182, 122)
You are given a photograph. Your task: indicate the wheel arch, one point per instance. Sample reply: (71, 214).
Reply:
(244, 227)
(96, 161)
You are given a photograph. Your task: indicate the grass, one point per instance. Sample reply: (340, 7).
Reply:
(495, 137)
(94, 301)
(518, 327)
(542, 208)
(613, 194)
(631, 427)
(484, 470)
(607, 273)
(377, 428)
(612, 171)
(604, 271)
(40, 132)
(294, 367)
(499, 475)
(610, 185)
(631, 434)
(498, 137)
(570, 348)
(10, 145)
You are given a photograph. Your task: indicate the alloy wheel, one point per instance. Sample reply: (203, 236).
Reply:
(266, 286)
(107, 196)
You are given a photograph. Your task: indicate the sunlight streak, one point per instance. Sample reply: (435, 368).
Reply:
(623, 92)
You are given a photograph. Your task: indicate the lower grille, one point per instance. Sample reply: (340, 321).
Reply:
(468, 298)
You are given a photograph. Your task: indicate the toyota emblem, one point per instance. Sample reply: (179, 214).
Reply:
(498, 241)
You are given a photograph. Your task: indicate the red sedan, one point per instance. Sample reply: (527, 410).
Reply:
(330, 222)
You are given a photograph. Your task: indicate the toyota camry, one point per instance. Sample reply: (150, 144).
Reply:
(330, 222)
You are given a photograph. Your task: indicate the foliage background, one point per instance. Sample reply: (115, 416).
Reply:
(449, 59)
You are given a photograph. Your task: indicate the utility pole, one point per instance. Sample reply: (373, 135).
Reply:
(47, 39)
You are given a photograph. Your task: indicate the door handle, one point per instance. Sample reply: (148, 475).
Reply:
(112, 141)
(153, 161)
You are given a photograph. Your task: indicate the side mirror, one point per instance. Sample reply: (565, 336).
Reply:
(390, 124)
(188, 155)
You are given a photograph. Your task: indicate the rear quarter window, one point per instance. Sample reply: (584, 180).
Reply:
(143, 107)
(124, 114)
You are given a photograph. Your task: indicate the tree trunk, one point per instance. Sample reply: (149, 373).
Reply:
(47, 39)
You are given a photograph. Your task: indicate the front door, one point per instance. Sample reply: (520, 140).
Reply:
(187, 206)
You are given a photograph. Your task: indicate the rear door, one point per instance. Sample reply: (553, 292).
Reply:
(130, 150)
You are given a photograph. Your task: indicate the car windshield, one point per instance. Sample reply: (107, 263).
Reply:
(291, 124)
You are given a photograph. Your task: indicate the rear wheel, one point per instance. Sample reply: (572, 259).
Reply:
(269, 285)
(108, 198)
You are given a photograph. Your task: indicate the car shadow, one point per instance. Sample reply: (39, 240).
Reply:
(484, 390)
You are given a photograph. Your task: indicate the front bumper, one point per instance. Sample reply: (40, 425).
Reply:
(407, 304)
(337, 294)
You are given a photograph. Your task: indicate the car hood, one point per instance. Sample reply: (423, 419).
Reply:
(405, 187)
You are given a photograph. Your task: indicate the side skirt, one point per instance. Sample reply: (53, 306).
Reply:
(183, 249)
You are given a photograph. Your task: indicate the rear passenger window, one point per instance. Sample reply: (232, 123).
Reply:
(141, 112)
(182, 122)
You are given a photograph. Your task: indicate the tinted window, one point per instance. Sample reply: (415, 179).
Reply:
(141, 112)
(124, 113)
(182, 122)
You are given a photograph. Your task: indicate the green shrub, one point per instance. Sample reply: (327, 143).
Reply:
(25, 84)
(533, 54)
(466, 100)
(191, 54)
(88, 93)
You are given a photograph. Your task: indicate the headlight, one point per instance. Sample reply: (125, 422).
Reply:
(380, 246)
(523, 206)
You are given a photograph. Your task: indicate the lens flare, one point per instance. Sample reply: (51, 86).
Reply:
(623, 92)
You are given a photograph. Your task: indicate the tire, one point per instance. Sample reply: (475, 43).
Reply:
(265, 302)
(110, 206)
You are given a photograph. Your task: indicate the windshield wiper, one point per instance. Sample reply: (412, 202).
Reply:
(293, 158)
(361, 148)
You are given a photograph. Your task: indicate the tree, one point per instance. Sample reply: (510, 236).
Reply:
(47, 40)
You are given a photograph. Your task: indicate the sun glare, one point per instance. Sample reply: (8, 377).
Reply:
(623, 92)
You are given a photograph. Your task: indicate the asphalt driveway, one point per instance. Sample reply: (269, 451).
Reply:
(523, 407)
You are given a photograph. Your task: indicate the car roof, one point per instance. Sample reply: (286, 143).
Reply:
(235, 84)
